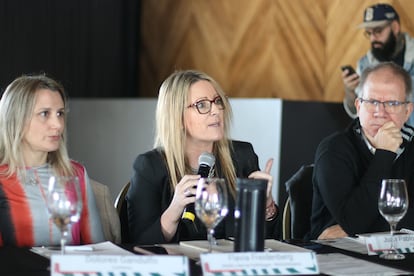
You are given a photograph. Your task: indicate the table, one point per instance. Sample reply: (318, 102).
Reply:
(21, 261)
(406, 264)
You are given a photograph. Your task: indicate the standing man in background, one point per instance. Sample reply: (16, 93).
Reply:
(388, 43)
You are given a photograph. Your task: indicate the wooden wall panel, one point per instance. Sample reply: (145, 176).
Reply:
(289, 49)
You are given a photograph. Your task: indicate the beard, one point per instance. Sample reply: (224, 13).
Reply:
(386, 50)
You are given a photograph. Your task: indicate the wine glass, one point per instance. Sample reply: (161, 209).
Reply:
(64, 204)
(393, 204)
(211, 204)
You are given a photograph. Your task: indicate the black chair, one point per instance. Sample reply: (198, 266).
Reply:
(121, 207)
(286, 227)
(298, 206)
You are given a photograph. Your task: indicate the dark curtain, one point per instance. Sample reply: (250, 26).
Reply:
(90, 46)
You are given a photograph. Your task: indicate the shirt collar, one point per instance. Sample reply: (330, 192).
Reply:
(407, 133)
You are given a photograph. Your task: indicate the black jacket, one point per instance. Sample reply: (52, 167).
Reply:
(150, 195)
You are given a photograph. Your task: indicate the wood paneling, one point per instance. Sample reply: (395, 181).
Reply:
(289, 49)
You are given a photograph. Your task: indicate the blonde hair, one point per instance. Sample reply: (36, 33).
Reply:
(170, 133)
(16, 110)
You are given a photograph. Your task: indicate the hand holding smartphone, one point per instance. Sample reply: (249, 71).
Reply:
(350, 69)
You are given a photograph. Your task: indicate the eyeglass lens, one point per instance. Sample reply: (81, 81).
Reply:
(389, 107)
(204, 106)
(375, 31)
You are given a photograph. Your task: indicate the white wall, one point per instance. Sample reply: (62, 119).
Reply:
(107, 134)
(258, 121)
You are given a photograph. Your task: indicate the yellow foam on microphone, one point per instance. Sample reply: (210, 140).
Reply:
(188, 215)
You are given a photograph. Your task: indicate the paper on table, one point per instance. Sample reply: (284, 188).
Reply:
(407, 231)
(358, 243)
(387, 233)
(379, 244)
(340, 264)
(351, 244)
(275, 245)
(228, 246)
(79, 248)
(221, 245)
(103, 248)
(193, 249)
(362, 237)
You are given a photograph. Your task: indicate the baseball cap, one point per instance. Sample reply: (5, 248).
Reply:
(378, 15)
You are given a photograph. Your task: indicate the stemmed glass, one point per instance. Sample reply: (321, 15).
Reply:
(393, 204)
(211, 204)
(64, 204)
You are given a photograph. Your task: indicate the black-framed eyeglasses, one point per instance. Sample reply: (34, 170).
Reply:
(390, 107)
(375, 31)
(204, 106)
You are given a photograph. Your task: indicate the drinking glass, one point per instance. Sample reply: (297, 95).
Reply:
(211, 204)
(393, 204)
(64, 204)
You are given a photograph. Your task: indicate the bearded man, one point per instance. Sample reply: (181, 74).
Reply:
(382, 27)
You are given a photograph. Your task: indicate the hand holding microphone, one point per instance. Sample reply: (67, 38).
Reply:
(206, 163)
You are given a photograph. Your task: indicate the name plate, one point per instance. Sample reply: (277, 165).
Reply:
(85, 265)
(378, 244)
(259, 263)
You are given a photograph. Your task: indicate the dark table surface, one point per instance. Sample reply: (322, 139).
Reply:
(21, 261)
(406, 264)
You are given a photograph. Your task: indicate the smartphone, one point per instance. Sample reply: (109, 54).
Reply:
(350, 69)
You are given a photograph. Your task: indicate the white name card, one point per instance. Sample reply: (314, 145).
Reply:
(377, 244)
(85, 265)
(259, 263)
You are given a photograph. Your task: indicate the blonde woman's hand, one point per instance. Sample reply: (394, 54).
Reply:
(271, 209)
(184, 193)
(265, 175)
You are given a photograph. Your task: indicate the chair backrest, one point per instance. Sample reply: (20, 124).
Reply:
(109, 217)
(286, 227)
(300, 192)
(121, 207)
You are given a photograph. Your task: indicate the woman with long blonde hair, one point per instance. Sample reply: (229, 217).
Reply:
(193, 116)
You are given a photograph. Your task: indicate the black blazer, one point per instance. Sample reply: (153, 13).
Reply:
(150, 195)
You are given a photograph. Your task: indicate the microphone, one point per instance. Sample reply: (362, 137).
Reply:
(205, 164)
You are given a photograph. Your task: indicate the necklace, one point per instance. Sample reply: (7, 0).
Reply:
(31, 178)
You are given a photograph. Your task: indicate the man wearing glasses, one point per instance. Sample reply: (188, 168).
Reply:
(350, 165)
(388, 43)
